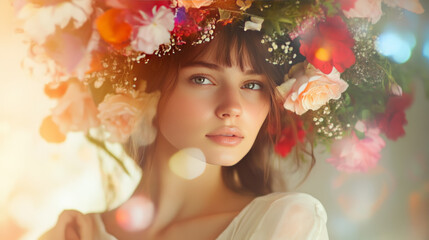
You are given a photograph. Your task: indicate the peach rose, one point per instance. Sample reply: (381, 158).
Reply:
(194, 3)
(75, 111)
(122, 114)
(309, 88)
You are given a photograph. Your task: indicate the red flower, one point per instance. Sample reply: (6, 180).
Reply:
(393, 120)
(187, 23)
(329, 45)
(288, 139)
(347, 4)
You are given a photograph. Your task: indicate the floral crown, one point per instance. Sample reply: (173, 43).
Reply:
(339, 86)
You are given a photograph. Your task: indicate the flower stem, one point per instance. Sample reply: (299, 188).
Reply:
(102, 145)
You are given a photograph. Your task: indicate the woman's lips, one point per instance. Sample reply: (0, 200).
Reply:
(225, 140)
(226, 136)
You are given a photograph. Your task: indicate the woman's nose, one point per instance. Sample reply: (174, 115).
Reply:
(229, 105)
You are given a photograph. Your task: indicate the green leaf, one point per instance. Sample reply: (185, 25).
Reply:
(365, 114)
(347, 99)
(223, 14)
(359, 134)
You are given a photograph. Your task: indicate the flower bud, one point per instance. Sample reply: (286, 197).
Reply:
(254, 24)
(396, 90)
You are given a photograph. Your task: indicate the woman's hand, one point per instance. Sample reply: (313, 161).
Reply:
(71, 225)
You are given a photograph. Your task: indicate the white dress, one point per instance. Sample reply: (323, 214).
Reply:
(291, 216)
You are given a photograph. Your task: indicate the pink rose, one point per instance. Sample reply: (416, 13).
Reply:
(75, 111)
(352, 154)
(194, 3)
(149, 32)
(371, 9)
(309, 88)
(119, 114)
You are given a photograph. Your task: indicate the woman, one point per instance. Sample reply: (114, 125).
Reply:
(226, 71)
(221, 99)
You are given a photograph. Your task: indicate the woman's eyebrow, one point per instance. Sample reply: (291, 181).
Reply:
(215, 67)
(202, 64)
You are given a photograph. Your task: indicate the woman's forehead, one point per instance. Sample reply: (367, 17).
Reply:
(226, 56)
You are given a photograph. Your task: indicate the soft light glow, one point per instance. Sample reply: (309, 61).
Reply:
(136, 214)
(418, 208)
(360, 195)
(323, 54)
(397, 46)
(425, 51)
(188, 163)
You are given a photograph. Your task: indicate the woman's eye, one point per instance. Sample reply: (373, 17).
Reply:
(201, 80)
(253, 86)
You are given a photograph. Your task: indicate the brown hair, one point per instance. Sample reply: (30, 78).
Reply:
(252, 173)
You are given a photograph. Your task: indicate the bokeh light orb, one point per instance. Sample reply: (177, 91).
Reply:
(425, 51)
(188, 163)
(395, 45)
(136, 214)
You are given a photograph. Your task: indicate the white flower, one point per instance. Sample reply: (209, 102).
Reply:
(255, 24)
(41, 21)
(152, 31)
(145, 132)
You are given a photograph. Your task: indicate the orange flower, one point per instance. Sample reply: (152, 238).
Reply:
(50, 131)
(113, 28)
(55, 90)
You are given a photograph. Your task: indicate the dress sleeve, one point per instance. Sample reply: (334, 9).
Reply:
(297, 216)
(74, 225)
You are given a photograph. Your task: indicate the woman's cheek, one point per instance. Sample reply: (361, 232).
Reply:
(181, 115)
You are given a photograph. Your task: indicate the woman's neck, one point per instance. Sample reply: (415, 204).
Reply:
(177, 199)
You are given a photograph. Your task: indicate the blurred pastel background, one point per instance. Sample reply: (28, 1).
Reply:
(38, 180)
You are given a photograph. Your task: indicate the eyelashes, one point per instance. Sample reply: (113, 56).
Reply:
(203, 80)
(253, 85)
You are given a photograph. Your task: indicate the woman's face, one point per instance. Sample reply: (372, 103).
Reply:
(214, 108)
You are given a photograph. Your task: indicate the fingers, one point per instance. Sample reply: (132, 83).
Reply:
(71, 225)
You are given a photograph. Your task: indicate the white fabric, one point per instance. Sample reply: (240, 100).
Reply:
(291, 216)
(280, 216)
